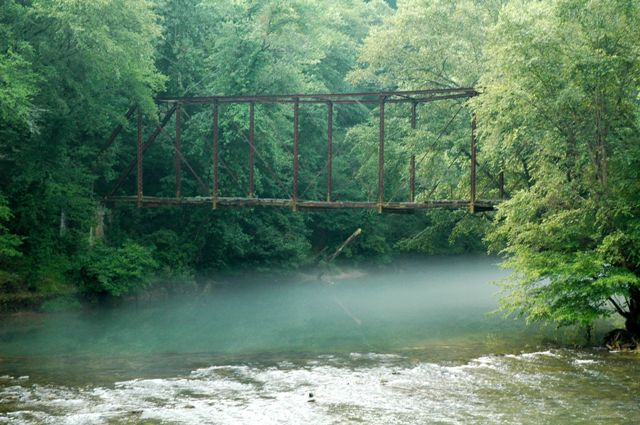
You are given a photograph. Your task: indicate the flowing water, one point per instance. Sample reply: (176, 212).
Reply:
(409, 343)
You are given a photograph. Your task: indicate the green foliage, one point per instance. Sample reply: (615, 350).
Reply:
(558, 114)
(254, 47)
(447, 232)
(447, 51)
(428, 43)
(9, 243)
(118, 271)
(560, 105)
(173, 254)
(68, 69)
(10, 282)
(18, 83)
(53, 274)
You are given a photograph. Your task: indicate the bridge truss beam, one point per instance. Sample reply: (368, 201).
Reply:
(176, 108)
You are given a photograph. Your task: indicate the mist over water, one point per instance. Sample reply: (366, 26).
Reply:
(346, 309)
(405, 343)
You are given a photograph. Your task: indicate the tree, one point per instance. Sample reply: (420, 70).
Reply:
(560, 103)
(68, 69)
(251, 47)
(428, 44)
(9, 243)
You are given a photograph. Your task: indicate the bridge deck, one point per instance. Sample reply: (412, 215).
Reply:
(152, 201)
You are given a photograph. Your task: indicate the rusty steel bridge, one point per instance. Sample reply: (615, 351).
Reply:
(175, 109)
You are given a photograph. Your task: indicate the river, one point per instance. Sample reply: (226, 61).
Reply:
(408, 343)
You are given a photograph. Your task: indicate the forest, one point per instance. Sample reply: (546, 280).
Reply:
(558, 116)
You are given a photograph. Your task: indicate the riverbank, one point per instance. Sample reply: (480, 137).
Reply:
(16, 298)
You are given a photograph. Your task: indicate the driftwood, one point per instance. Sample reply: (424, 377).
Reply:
(344, 244)
(621, 339)
(338, 251)
(329, 282)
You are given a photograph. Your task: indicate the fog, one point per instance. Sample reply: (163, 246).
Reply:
(436, 305)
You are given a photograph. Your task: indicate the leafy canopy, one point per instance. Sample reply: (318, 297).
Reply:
(560, 103)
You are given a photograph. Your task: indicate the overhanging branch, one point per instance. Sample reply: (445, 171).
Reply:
(620, 311)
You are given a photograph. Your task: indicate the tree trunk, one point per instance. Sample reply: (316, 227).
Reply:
(632, 324)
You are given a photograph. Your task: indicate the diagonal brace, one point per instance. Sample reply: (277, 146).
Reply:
(152, 138)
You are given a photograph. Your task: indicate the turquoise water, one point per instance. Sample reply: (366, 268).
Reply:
(406, 343)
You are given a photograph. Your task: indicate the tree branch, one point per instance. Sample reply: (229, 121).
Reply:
(618, 308)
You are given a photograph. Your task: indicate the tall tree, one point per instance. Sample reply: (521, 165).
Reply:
(68, 69)
(428, 44)
(252, 47)
(560, 103)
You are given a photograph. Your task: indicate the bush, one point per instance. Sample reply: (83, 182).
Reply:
(118, 271)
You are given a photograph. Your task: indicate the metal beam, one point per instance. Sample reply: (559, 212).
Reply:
(412, 164)
(356, 101)
(139, 160)
(152, 138)
(178, 153)
(195, 175)
(472, 202)
(252, 148)
(381, 155)
(371, 97)
(115, 132)
(294, 195)
(150, 201)
(329, 150)
(216, 155)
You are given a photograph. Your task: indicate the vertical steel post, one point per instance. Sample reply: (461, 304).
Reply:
(412, 165)
(178, 149)
(472, 203)
(412, 179)
(414, 106)
(381, 156)
(139, 157)
(251, 147)
(329, 150)
(216, 148)
(296, 113)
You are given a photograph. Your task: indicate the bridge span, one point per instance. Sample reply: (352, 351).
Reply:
(174, 108)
